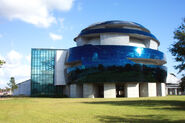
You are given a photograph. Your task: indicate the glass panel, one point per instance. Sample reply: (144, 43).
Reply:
(42, 73)
(107, 63)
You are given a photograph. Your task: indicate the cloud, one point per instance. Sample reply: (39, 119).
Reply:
(14, 57)
(28, 58)
(15, 67)
(1, 35)
(37, 12)
(79, 7)
(1, 57)
(55, 36)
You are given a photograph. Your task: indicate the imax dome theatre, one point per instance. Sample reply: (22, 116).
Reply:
(112, 59)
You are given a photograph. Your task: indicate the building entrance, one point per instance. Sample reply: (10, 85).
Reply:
(120, 91)
(99, 91)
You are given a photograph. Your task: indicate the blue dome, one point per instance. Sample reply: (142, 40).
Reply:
(117, 26)
(117, 22)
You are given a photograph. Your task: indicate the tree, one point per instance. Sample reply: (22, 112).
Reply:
(2, 62)
(178, 50)
(12, 84)
(182, 84)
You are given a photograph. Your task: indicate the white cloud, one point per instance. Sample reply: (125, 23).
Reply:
(1, 35)
(28, 58)
(1, 57)
(63, 5)
(15, 67)
(14, 57)
(79, 7)
(55, 36)
(37, 12)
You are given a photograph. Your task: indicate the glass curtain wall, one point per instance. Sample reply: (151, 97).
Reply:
(42, 73)
(108, 63)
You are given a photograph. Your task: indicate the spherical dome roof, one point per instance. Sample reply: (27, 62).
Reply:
(117, 23)
(117, 26)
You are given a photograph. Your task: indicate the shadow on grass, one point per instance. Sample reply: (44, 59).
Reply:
(169, 105)
(137, 119)
(152, 104)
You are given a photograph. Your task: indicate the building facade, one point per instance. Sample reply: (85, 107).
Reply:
(112, 59)
(23, 89)
(173, 85)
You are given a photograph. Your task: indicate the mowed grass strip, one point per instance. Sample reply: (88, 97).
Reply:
(79, 110)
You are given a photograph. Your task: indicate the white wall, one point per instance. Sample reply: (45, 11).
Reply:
(59, 67)
(24, 88)
(153, 45)
(76, 90)
(73, 90)
(163, 87)
(114, 39)
(109, 90)
(88, 90)
(117, 39)
(149, 89)
(132, 89)
(152, 89)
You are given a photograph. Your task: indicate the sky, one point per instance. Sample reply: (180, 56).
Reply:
(55, 23)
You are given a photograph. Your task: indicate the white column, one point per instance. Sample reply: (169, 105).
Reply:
(109, 90)
(166, 90)
(88, 90)
(175, 91)
(59, 67)
(132, 90)
(73, 91)
(163, 89)
(76, 91)
(152, 89)
(153, 45)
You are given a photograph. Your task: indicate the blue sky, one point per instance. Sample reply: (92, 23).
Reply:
(54, 24)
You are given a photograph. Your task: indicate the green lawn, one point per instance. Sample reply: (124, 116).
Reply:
(59, 110)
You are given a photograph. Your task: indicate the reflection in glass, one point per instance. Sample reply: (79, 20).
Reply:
(108, 63)
(42, 73)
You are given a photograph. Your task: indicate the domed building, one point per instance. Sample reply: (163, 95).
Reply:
(112, 59)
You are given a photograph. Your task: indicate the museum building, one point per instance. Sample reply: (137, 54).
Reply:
(112, 59)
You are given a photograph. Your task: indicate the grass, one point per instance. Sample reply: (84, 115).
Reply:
(59, 110)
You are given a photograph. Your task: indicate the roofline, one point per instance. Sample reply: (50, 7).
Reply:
(46, 49)
(24, 81)
(116, 30)
(130, 23)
